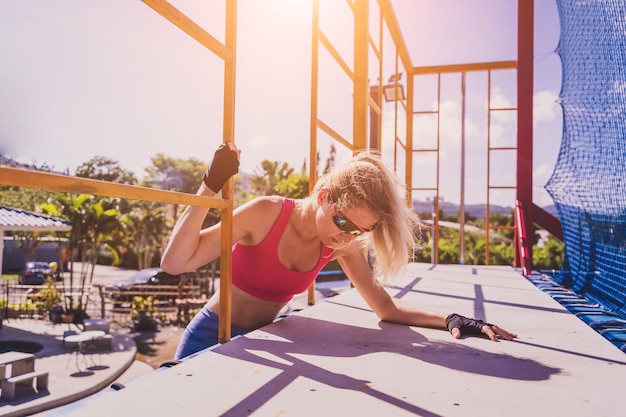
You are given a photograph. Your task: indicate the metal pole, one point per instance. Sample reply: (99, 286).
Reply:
(226, 260)
(313, 122)
(361, 90)
(436, 208)
(374, 130)
(525, 59)
(462, 205)
(433, 252)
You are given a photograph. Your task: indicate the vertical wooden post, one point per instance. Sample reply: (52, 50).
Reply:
(227, 191)
(313, 121)
(525, 48)
(361, 89)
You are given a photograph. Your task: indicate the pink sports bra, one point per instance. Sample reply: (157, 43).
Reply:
(258, 271)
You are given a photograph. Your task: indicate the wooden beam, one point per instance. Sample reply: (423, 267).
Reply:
(361, 88)
(226, 253)
(389, 15)
(17, 177)
(480, 66)
(190, 27)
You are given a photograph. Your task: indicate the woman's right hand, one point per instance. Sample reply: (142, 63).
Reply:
(224, 165)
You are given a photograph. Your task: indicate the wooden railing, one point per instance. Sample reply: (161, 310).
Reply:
(174, 302)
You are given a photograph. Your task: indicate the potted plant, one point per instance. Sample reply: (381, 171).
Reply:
(56, 313)
(67, 317)
(48, 298)
(144, 314)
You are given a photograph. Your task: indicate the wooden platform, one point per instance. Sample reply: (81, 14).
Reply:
(338, 359)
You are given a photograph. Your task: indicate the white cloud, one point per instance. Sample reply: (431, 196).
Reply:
(451, 129)
(542, 174)
(501, 101)
(545, 107)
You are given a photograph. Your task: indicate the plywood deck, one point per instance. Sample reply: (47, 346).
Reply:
(338, 359)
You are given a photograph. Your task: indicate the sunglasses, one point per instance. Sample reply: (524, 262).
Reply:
(346, 226)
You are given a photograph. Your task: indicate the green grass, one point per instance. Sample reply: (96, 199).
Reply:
(10, 277)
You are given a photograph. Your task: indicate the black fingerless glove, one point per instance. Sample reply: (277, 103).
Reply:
(465, 324)
(224, 165)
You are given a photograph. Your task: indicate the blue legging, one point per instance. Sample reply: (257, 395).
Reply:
(202, 333)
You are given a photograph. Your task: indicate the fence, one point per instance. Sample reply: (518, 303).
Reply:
(168, 303)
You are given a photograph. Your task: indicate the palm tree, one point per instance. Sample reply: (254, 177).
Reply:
(93, 219)
(174, 174)
(264, 181)
(145, 227)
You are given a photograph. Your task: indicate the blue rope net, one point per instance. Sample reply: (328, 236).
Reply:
(589, 181)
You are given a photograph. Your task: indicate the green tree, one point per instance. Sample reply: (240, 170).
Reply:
(498, 219)
(94, 223)
(105, 169)
(550, 255)
(265, 179)
(449, 247)
(330, 162)
(456, 218)
(145, 228)
(422, 251)
(294, 186)
(502, 253)
(475, 248)
(25, 198)
(175, 174)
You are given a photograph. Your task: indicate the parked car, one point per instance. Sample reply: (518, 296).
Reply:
(36, 273)
(148, 276)
(124, 290)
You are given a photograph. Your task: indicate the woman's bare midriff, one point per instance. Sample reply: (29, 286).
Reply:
(247, 311)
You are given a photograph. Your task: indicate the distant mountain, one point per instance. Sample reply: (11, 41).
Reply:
(475, 210)
(5, 160)
(10, 162)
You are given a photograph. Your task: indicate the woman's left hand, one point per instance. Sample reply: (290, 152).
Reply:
(459, 325)
(224, 165)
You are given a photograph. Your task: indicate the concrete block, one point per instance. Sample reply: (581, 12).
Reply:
(9, 385)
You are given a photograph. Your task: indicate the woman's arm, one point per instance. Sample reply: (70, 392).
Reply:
(386, 308)
(398, 311)
(189, 247)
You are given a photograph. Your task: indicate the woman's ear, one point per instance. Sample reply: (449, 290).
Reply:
(321, 196)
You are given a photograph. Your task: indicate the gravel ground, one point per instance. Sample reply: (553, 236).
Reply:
(155, 348)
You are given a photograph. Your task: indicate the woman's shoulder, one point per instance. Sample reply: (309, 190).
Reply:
(269, 206)
(257, 216)
(271, 202)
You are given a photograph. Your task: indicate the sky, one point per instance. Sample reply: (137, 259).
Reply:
(86, 78)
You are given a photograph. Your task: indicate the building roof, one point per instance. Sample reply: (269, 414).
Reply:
(17, 219)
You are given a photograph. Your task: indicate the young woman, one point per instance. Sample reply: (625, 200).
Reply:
(281, 244)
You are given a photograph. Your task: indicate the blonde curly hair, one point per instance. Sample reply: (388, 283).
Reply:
(364, 181)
